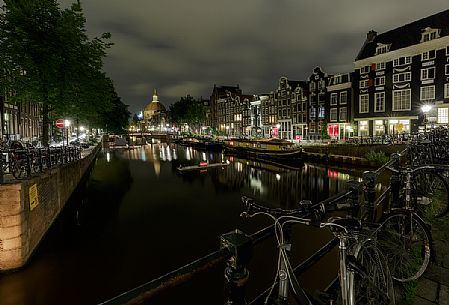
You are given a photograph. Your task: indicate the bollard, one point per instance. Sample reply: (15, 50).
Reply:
(369, 187)
(236, 274)
(355, 188)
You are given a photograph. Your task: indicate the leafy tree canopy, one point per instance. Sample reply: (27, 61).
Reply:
(48, 58)
(188, 111)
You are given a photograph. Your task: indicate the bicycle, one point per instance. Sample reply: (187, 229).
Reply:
(403, 235)
(364, 274)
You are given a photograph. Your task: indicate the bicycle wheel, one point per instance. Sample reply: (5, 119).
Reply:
(371, 281)
(406, 242)
(18, 169)
(430, 194)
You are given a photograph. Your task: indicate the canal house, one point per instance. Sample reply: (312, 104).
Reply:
(401, 79)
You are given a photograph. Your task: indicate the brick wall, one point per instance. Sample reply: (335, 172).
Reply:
(22, 228)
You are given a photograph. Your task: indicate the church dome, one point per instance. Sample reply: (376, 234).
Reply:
(153, 107)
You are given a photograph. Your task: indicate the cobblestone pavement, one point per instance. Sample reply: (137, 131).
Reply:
(433, 287)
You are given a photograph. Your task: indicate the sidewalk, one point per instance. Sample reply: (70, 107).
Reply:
(433, 287)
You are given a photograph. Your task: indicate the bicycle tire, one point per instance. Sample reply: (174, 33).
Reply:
(406, 242)
(374, 285)
(18, 169)
(430, 194)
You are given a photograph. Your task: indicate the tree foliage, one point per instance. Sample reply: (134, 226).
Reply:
(188, 111)
(48, 58)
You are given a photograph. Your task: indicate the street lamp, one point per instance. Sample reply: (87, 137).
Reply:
(425, 109)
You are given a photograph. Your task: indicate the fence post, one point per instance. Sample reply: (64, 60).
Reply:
(236, 274)
(1, 168)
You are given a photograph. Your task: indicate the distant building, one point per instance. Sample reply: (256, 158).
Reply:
(154, 114)
(398, 72)
(317, 102)
(224, 103)
(291, 103)
(338, 110)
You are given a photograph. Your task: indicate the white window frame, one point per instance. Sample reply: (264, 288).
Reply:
(364, 100)
(406, 75)
(382, 49)
(363, 84)
(379, 81)
(443, 115)
(333, 115)
(446, 69)
(345, 111)
(427, 55)
(334, 99)
(446, 90)
(400, 105)
(365, 69)
(343, 98)
(380, 66)
(397, 61)
(379, 102)
(430, 34)
(427, 93)
(447, 51)
(425, 73)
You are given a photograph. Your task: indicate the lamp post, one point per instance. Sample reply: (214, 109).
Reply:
(67, 125)
(425, 109)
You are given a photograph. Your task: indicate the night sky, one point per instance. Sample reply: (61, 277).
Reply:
(186, 46)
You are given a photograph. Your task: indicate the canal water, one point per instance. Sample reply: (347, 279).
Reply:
(137, 217)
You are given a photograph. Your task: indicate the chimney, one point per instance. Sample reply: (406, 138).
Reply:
(371, 35)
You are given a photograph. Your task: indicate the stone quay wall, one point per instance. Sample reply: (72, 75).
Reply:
(29, 207)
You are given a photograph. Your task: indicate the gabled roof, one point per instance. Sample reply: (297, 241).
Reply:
(407, 35)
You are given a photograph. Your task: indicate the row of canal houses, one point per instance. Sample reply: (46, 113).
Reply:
(395, 74)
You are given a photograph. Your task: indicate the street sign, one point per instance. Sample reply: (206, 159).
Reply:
(60, 123)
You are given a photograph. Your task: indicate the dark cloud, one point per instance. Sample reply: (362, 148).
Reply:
(185, 47)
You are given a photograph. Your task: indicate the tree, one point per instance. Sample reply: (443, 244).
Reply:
(188, 111)
(47, 58)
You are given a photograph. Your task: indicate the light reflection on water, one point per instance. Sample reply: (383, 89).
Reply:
(140, 218)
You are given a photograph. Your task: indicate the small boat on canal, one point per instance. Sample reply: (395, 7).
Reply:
(202, 166)
(265, 149)
(207, 144)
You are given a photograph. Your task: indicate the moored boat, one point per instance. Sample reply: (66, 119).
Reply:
(270, 149)
(203, 165)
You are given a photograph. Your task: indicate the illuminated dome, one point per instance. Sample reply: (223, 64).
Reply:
(152, 108)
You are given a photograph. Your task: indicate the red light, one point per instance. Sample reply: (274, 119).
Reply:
(203, 163)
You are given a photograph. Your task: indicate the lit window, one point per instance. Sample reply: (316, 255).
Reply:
(379, 102)
(334, 99)
(401, 100)
(428, 73)
(333, 114)
(364, 103)
(443, 115)
(427, 93)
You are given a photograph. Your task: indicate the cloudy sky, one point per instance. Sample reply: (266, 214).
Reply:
(186, 46)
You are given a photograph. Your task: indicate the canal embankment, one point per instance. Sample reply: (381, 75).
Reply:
(29, 207)
(365, 155)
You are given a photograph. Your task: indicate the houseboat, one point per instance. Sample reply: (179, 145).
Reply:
(269, 149)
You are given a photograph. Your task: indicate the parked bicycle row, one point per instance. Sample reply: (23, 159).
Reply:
(385, 236)
(24, 162)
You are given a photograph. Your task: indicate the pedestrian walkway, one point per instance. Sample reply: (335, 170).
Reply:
(433, 287)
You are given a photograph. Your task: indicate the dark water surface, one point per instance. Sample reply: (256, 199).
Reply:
(138, 218)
